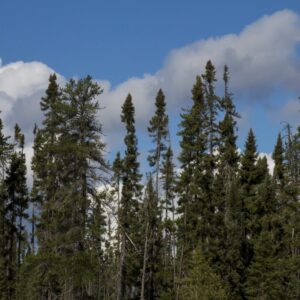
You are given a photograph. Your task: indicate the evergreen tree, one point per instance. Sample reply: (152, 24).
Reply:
(193, 205)
(290, 214)
(201, 282)
(248, 181)
(5, 154)
(227, 198)
(15, 212)
(70, 146)
(129, 216)
(168, 178)
(278, 157)
(265, 275)
(159, 132)
(152, 274)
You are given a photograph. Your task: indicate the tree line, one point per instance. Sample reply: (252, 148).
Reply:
(218, 225)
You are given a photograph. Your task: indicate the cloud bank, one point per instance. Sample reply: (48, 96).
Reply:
(262, 57)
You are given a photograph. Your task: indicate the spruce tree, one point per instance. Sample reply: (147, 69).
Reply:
(201, 282)
(5, 154)
(193, 206)
(227, 197)
(82, 158)
(278, 157)
(70, 146)
(168, 177)
(15, 211)
(129, 216)
(265, 276)
(158, 131)
(152, 275)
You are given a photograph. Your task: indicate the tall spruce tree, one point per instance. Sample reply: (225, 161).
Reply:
(265, 276)
(227, 198)
(5, 154)
(291, 219)
(168, 177)
(251, 174)
(129, 217)
(158, 131)
(15, 211)
(70, 146)
(194, 209)
(152, 275)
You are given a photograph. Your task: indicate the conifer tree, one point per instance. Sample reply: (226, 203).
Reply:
(193, 206)
(168, 178)
(81, 155)
(5, 154)
(15, 211)
(265, 275)
(227, 197)
(201, 282)
(152, 275)
(290, 215)
(70, 146)
(158, 131)
(278, 157)
(248, 181)
(129, 216)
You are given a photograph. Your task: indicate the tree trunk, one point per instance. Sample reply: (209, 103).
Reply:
(144, 263)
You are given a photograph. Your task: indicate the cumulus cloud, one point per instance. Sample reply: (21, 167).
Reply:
(262, 57)
(21, 87)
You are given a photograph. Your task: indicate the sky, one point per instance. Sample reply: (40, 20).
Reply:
(141, 46)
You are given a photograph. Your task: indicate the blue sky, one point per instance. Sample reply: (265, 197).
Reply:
(115, 40)
(118, 42)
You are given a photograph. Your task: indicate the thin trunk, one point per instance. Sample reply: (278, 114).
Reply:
(20, 239)
(33, 230)
(144, 263)
(173, 244)
(120, 284)
(181, 257)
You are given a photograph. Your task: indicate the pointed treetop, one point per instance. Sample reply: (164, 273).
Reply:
(19, 137)
(278, 157)
(210, 73)
(127, 115)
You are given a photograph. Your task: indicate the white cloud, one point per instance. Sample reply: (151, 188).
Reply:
(28, 150)
(21, 87)
(260, 57)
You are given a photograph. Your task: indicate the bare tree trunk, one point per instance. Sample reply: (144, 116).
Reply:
(33, 230)
(181, 259)
(120, 283)
(173, 249)
(144, 263)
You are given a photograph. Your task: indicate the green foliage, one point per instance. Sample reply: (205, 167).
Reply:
(129, 215)
(201, 282)
(223, 228)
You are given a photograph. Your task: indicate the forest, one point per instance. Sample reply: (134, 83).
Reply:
(213, 223)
